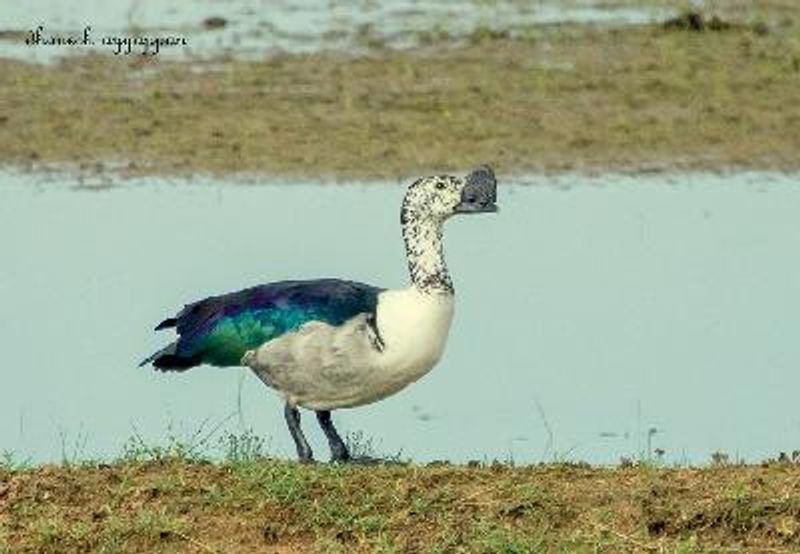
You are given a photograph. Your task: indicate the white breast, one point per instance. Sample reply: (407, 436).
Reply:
(414, 327)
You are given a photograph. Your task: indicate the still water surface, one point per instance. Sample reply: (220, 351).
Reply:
(605, 309)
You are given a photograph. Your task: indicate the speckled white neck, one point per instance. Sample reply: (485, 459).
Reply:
(425, 255)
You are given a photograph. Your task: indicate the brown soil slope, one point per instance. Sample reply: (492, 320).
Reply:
(271, 506)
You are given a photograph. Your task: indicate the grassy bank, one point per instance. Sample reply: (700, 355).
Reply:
(552, 98)
(177, 505)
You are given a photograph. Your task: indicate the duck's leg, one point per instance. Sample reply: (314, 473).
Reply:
(304, 453)
(339, 452)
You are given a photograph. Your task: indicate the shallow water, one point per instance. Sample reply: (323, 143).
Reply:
(624, 314)
(256, 27)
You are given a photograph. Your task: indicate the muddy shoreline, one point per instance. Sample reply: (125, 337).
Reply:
(558, 98)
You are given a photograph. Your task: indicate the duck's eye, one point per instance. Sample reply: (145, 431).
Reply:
(440, 185)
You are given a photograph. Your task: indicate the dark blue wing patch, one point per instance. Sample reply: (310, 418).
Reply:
(220, 329)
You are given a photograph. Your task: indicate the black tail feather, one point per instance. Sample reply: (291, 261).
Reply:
(167, 359)
(167, 323)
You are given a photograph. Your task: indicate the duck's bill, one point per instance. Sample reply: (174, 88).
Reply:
(479, 194)
(473, 208)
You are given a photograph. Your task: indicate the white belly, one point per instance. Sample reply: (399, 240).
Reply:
(324, 367)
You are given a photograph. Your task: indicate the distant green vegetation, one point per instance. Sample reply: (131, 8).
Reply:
(710, 89)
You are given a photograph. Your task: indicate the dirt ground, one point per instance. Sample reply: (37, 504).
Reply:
(175, 505)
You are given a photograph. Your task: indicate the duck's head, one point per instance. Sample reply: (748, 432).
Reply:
(440, 196)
